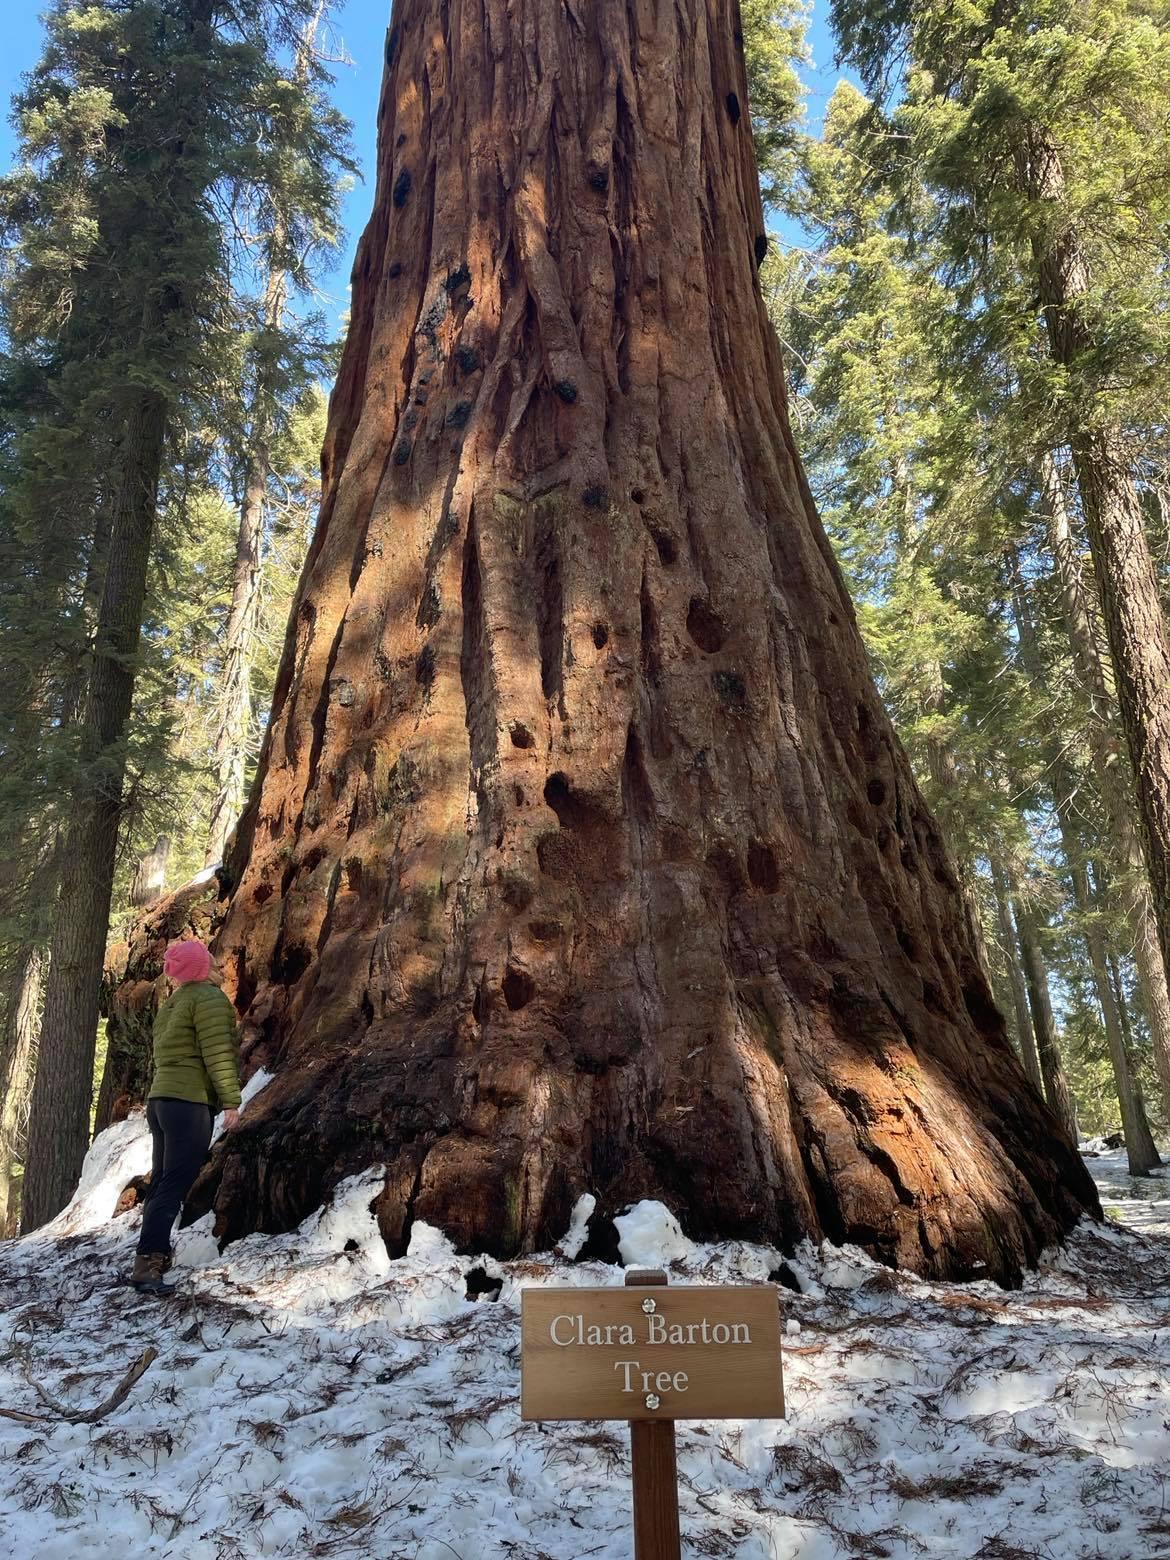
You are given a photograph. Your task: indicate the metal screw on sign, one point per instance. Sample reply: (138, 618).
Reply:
(655, 1471)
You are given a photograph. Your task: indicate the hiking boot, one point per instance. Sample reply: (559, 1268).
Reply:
(149, 1267)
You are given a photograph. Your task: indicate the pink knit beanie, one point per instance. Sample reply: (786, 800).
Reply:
(186, 961)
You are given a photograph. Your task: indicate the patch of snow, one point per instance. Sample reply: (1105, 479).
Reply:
(650, 1236)
(571, 1244)
(311, 1396)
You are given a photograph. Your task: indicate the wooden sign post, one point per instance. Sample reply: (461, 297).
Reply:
(651, 1354)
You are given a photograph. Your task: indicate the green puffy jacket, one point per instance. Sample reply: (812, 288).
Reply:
(196, 1047)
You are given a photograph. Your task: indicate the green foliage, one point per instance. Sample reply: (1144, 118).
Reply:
(173, 153)
(774, 49)
(926, 394)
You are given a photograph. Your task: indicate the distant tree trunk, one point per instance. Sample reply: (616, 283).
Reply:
(150, 874)
(1127, 579)
(1009, 947)
(230, 748)
(582, 856)
(17, 1067)
(63, 1093)
(1139, 1143)
(1113, 776)
(1043, 1023)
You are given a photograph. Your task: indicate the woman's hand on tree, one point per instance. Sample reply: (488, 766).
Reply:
(231, 1120)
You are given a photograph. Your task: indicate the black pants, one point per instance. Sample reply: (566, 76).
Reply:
(181, 1133)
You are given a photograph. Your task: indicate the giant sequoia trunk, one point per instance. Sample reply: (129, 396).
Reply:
(582, 856)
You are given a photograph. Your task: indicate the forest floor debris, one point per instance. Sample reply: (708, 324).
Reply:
(312, 1398)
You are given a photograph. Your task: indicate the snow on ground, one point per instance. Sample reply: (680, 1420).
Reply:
(312, 1398)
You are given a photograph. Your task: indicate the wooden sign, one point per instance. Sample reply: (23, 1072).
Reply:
(651, 1353)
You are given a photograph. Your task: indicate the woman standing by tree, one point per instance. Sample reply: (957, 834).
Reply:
(196, 1066)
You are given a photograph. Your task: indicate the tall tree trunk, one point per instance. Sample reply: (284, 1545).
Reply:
(150, 873)
(1139, 1143)
(582, 855)
(1009, 946)
(230, 746)
(1056, 1087)
(1127, 579)
(63, 1093)
(1111, 772)
(17, 1067)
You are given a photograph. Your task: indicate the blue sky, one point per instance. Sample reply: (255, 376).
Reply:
(360, 26)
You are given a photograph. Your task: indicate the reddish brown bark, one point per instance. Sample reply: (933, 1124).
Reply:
(582, 856)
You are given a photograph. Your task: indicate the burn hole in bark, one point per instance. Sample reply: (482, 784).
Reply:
(733, 111)
(639, 795)
(567, 391)
(468, 359)
(760, 247)
(457, 279)
(289, 964)
(982, 1009)
(516, 891)
(518, 795)
(402, 452)
(595, 497)
(876, 792)
(762, 868)
(482, 1287)
(667, 547)
(429, 608)
(520, 735)
(723, 862)
(395, 270)
(600, 636)
(572, 810)
(478, 703)
(544, 931)
(245, 983)
(549, 611)
(651, 664)
(424, 668)
(705, 626)
(731, 689)
(262, 892)
(598, 178)
(392, 38)
(353, 875)
(519, 988)
(459, 414)
(786, 1278)
(314, 859)
(401, 191)
(637, 495)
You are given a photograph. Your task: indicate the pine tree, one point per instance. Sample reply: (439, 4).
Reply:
(135, 118)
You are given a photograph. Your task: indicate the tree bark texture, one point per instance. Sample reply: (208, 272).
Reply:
(1123, 565)
(582, 856)
(1009, 949)
(1113, 775)
(63, 1093)
(1056, 1088)
(17, 1067)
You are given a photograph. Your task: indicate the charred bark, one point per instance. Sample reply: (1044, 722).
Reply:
(582, 856)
